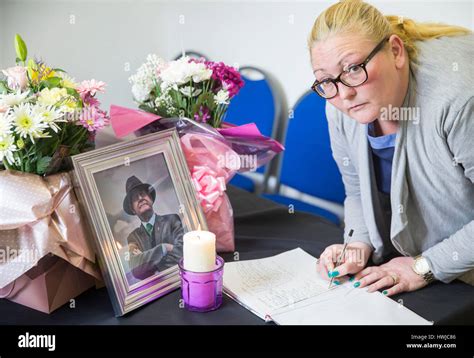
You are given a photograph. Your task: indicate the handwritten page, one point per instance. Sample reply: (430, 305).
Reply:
(287, 289)
(274, 284)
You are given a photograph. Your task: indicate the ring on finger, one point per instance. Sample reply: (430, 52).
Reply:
(394, 278)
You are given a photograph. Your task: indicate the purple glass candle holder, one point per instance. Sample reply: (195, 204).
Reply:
(202, 291)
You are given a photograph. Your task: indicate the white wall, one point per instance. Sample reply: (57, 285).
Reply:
(2, 32)
(108, 40)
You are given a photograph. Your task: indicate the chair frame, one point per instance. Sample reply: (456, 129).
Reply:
(190, 52)
(278, 129)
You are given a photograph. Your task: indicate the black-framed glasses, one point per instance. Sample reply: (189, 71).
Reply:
(353, 76)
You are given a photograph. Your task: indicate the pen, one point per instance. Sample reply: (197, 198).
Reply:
(338, 262)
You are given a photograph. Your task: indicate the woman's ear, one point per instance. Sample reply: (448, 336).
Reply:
(397, 50)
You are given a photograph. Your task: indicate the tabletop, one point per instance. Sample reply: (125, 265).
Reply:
(262, 228)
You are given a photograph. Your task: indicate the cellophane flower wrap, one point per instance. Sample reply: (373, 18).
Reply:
(193, 95)
(45, 117)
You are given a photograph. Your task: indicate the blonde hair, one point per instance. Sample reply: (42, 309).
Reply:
(356, 16)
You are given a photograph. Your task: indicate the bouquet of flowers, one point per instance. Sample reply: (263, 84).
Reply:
(45, 117)
(196, 89)
(193, 95)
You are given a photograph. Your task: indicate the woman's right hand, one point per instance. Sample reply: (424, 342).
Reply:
(355, 258)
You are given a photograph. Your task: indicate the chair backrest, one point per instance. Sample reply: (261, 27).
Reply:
(260, 101)
(308, 164)
(192, 54)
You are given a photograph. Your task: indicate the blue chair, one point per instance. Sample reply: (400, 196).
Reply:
(308, 165)
(260, 101)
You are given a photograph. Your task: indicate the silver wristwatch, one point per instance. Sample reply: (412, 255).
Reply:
(421, 267)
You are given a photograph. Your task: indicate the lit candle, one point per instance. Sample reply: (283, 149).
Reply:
(199, 251)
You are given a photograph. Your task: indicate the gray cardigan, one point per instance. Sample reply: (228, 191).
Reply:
(432, 190)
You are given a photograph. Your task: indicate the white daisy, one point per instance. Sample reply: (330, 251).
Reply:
(26, 123)
(188, 91)
(50, 115)
(7, 147)
(13, 99)
(222, 97)
(5, 125)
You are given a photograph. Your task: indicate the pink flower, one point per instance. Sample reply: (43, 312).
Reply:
(90, 87)
(91, 101)
(227, 77)
(93, 118)
(16, 77)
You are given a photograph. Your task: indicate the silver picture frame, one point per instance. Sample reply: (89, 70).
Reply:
(89, 167)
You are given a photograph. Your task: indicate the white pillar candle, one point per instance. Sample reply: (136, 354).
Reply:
(199, 251)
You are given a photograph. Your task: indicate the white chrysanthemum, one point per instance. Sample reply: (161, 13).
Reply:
(27, 123)
(188, 91)
(53, 96)
(200, 72)
(50, 116)
(7, 147)
(5, 125)
(13, 99)
(222, 97)
(182, 71)
(177, 72)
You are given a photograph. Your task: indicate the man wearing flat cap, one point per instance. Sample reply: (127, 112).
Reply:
(157, 244)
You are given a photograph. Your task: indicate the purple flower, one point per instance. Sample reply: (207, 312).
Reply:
(202, 115)
(226, 77)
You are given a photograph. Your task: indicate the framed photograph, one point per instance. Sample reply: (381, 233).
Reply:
(139, 200)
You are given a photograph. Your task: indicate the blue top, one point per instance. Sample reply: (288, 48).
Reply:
(383, 148)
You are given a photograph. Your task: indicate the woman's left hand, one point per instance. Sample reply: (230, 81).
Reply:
(395, 276)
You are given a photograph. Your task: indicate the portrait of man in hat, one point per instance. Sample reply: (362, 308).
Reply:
(157, 244)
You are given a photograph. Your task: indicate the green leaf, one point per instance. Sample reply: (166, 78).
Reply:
(73, 92)
(42, 164)
(58, 70)
(3, 87)
(147, 108)
(27, 166)
(20, 48)
(51, 82)
(31, 66)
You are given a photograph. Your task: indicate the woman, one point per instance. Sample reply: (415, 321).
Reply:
(400, 106)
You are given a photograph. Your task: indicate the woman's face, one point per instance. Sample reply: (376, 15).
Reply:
(387, 74)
